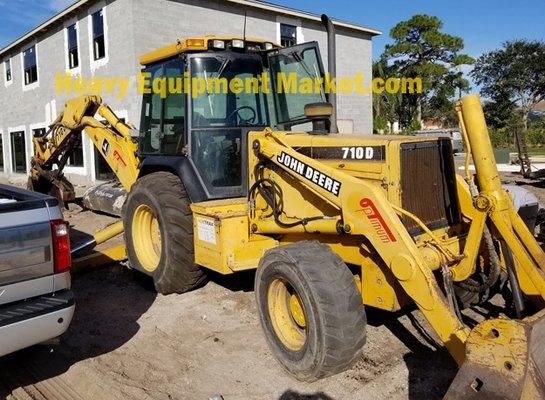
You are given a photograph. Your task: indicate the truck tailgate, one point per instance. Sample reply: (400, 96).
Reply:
(25, 237)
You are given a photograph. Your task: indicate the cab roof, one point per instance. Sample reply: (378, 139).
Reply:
(196, 44)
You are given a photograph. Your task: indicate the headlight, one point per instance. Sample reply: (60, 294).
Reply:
(238, 44)
(268, 46)
(218, 44)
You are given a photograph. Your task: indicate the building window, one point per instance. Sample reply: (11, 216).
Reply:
(76, 158)
(18, 153)
(7, 66)
(73, 57)
(288, 35)
(99, 45)
(30, 65)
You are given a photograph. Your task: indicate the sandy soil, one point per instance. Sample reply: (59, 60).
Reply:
(126, 342)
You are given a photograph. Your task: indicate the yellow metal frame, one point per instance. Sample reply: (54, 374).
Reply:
(222, 236)
(361, 222)
(361, 204)
(366, 210)
(192, 45)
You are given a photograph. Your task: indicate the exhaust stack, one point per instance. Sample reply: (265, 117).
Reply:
(332, 67)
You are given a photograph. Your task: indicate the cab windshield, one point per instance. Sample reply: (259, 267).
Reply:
(227, 91)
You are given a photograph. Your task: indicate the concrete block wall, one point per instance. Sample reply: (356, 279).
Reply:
(354, 56)
(35, 107)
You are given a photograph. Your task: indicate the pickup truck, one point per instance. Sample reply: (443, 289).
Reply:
(36, 302)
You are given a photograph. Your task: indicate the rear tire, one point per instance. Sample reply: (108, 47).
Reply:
(159, 233)
(310, 309)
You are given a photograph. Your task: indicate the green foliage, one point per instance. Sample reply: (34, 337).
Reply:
(415, 125)
(386, 105)
(515, 72)
(499, 110)
(421, 49)
(535, 137)
(500, 137)
(504, 136)
(540, 123)
(380, 125)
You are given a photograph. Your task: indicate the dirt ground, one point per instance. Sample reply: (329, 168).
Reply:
(126, 342)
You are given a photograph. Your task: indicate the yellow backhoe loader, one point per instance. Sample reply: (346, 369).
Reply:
(333, 223)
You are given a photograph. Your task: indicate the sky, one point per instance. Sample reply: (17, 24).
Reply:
(20, 16)
(483, 24)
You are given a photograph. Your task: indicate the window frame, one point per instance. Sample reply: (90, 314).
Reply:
(12, 160)
(282, 37)
(7, 81)
(216, 192)
(301, 48)
(296, 22)
(36, 83)
(98, 63)
(162, 109)
(67, 26)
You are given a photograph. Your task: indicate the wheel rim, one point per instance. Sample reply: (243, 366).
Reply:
(287, 314)
(146, 237)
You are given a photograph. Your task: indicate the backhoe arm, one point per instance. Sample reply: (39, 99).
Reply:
(112, 138)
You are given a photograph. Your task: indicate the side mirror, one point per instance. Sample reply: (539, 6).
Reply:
(319, 114)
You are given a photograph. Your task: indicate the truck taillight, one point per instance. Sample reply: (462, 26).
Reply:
(61, 246)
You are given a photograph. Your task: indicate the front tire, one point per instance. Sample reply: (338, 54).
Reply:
(159, 233)
(310, 309)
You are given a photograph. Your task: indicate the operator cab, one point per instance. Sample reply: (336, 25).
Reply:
(203, 96)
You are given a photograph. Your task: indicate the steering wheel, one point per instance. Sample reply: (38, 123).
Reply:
(240, 120)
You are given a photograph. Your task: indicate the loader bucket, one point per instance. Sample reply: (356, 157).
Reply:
(505, 359)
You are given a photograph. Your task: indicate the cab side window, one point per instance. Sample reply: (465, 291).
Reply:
(163, 119)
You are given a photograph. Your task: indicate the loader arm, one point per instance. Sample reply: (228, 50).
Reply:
(366, 211)
(112, 138)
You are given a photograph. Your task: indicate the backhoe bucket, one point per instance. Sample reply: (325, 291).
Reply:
(60, 188)
(505, 359)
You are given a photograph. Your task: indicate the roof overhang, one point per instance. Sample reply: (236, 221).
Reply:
(304, 15)
(249, 3)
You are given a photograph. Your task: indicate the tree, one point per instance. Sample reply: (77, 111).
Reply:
(440, 106)
(386, 106)
(517, 71)
(420, 49)
(499, 109)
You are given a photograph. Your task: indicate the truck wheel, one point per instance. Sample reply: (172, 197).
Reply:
(159, 233)
(310, 309)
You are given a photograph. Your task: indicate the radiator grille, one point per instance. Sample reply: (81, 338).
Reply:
(428, 185)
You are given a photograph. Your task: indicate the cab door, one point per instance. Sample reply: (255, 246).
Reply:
(219, 120)
(294, 70)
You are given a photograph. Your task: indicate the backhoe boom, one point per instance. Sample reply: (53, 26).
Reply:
(112, 138)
